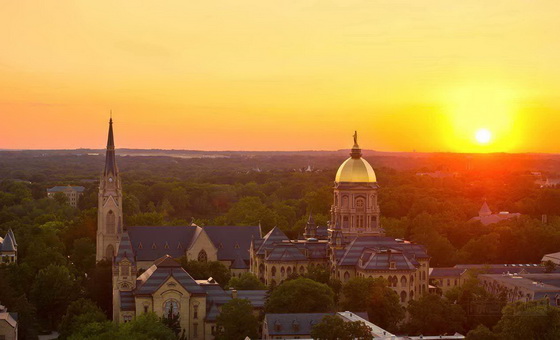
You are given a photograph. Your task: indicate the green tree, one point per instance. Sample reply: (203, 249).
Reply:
(237, 321)
(374, 296)
(247, 281)
(301, 296)
(434, 315)
(481, 332)
(529, 320)
(203, 270)
(79, 313)
(52, 291)
(144, 327)
(332, 327)
(83, 254)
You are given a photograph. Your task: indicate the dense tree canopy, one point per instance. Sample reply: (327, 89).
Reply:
(237, 321)
(301, 295)
(434, 315)
(374, 297)
(247, 281)
(333, 327)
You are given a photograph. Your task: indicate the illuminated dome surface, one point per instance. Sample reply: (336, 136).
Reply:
(355, 170)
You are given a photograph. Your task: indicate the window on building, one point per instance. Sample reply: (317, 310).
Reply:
(403, 296)
(202, 256)
(392, 265)
(346, 276)
(110, 222)
(125, 269)
(282, 271)
(448, 282)
(195, 312)
(360, 221)
(145, 309)
(171, 306)
(273, 271)
(213, 330)
(195, 330)
(403, 281)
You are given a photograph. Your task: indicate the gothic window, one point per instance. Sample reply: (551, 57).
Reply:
(273, 271)
(236, 246)
(412, 295)
(301, 270)
(403, 296)
(154, 246)
(110, 252)
(195, 312)
(289, 271)
(202, 256)
(140, 245)
(171, 306)
(403, 281)
(166, 246)
(345, 201)
(346, 276)
(282, 271)
(179, 246)
(110, 222)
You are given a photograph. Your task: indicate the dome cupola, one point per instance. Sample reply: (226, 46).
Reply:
(355, 169)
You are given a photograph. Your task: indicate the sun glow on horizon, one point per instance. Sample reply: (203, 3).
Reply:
(483, 136)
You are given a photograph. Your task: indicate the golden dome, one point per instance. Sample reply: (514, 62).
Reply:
(355, 169)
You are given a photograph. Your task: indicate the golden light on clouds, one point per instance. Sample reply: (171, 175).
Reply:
(290, 75)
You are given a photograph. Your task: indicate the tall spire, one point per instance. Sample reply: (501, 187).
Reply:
(110, 161)
(356, 151)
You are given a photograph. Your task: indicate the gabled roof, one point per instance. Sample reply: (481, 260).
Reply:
(354, 251)
(285, 252)
(125, 249)
(239, 263)
(8, 243)
(160, 272)
(381, 259)
(293, 323)
(159, 236)
(274, 236)
(448, 271)
(235, 240)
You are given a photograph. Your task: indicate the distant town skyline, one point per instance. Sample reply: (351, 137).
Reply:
(431, 76)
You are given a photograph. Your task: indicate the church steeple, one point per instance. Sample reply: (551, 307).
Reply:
(110, 161)
(109, 212)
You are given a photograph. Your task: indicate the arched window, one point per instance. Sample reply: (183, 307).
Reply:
(346, 276)
(411, 279)
(282, 271)
(345, 201)
(360, 204)
(289, 271)
(109, 252)
(403, 296)
(412, 295)
(110, 222)
(301, 270)
(170, 306)
(202, 256)
(261, 268)
(273, 271)
(403, 281)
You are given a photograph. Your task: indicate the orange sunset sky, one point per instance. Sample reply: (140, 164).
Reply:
(421, 75)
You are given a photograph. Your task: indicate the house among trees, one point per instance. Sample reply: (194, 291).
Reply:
(487, 217)
(8, 324)
(8, 248)
(72, 193)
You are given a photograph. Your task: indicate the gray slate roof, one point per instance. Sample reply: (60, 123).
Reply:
(286, 252)
(151, 243)
(160, 271)
(232, 241)
(274, 236)
(448, 271)
(355, 251)
(127, 301)
(125, 249)
(60, 188)
(216, 297)
(8, 244)
(293, 323)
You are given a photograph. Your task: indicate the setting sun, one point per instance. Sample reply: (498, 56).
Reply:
(483, 136)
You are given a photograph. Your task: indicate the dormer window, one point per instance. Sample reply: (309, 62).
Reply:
(166, 245)
(140, 245)
(179, 246)
(237, 246)
(154, 246)
(392, 265)
(220, 245)
(277, 326)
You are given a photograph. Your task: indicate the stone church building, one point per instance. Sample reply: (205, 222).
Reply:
(352, 245)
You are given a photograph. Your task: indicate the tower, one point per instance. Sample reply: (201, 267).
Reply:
(355, 211)
(310, 228)
(109, 210)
